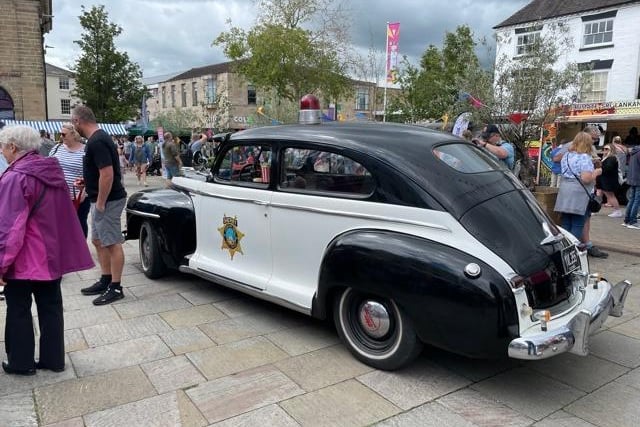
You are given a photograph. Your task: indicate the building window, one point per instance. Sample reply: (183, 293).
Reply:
(362, 99)
(194, 93)
(65, 106)
(595, 90)
(251, 95)
(164, 97)
(173, 95)
(598, 32)
(211, 91)
(184, 94)
(63, 83)
(526, 41)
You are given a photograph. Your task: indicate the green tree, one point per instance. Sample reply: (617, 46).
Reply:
(179, 121)
(431, 89)
(295, 47)
(106, 79)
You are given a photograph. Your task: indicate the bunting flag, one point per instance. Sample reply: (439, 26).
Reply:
(393, 37)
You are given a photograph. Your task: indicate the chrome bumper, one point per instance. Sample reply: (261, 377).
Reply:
(574, 335)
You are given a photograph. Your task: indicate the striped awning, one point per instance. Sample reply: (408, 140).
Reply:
(54, 127)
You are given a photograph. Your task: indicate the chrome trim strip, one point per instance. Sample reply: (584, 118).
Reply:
(144, 214)
(361, 216)
(244, 288)
(219, 196)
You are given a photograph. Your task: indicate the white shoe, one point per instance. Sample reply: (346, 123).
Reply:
(633, 226)
(615, 214)
(624, 224)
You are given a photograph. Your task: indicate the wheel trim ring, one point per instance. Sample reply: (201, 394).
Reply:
(145, 249)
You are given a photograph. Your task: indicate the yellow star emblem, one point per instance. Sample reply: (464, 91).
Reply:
(231, 236)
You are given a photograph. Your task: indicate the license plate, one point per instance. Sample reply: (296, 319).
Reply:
(570, 259)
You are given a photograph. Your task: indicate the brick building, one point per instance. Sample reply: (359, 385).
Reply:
(22, 68)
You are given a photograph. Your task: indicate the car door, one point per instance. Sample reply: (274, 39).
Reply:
(232, 217)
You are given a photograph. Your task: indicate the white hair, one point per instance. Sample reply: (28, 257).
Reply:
(25, 138)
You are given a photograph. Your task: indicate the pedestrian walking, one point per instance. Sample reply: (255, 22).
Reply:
(633, 179)
(40, 241)
(172, 161)
(103, 183)
(141, 159)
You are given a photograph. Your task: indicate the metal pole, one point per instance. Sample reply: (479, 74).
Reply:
(540, 155)
(386, 74)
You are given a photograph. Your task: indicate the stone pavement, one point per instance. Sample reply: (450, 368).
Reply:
(183, 352)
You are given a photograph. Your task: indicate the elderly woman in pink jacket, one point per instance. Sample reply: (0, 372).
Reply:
(40, 240)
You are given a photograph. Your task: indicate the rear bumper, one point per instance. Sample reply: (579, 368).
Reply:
(572, 335)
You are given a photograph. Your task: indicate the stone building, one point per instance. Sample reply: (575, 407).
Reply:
(22, 68)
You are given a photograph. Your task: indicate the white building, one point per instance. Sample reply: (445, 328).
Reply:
(606, 43)
(60, 84)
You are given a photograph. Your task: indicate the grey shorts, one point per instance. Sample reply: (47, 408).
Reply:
(173, 171)
(105, 226)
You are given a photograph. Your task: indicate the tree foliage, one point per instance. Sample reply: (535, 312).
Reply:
(179, 121)
(431, 89)
(106, 79)
(295, 47)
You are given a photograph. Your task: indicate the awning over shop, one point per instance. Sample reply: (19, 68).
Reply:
(54, 127)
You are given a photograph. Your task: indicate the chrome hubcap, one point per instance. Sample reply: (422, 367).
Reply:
(374, 319)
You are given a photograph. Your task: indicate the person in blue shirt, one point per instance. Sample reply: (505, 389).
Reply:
(503, 150)
(556, 168)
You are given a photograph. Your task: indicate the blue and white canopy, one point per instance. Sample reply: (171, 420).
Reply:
(54, 127)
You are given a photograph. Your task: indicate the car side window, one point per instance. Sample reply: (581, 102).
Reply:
(307, 170)
(245, 164)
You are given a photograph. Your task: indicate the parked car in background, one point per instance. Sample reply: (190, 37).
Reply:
(400, 234)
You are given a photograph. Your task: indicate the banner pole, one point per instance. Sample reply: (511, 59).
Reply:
(386, 74)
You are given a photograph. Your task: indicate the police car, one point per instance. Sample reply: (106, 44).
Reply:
(401, 234)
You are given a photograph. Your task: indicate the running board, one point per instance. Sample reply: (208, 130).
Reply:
(245, 289)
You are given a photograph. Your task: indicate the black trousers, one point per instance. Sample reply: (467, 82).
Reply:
(19, 338)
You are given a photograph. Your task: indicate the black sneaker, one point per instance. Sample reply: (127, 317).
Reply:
(95, 289)
(112, 294)
(597, 253)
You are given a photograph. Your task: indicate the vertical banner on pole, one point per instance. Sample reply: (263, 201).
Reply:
(393, 36)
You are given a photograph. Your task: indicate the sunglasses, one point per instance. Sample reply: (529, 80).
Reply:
(63, 134)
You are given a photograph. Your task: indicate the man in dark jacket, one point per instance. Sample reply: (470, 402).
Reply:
(633, 179)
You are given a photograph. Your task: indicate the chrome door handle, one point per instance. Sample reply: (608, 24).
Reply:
(260, 202)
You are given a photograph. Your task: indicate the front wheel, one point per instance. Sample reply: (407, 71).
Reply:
(375, 330)
(150, 252)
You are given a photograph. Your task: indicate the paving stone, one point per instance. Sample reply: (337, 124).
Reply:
(208, 293)
(304, 339)
(127, 353)
(528, 392)
(614, 405)
(172, 374)
(151, 305)
(122, 330)
(193, 316)
(136, 279)
(157, 288)
(630, 328)
(159, 411)
(269, 416)
(243, 305)
(242, 392)
(616, 348)
(186, 340)
(428, 415)
(234, 357)
(322, 367)
(612, 322)
(89, 316)
(73, 422)
(474, 369)
(482, 412)
(251, 325)
(10, 384)
(632, 379)
(74, 340)
(77, 397)
(584, 373)
(418, 383)
(346, 404)
(18, 410)
(563, 419)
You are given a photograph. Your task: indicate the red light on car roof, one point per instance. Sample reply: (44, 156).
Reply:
(310, 113)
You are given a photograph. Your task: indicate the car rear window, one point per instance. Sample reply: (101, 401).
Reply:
(466, 158)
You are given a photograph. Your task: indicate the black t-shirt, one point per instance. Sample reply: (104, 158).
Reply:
(101, 152)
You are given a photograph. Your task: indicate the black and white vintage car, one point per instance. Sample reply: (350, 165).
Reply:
(403, 235)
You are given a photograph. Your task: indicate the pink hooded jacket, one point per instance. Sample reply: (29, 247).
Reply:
(39, 240)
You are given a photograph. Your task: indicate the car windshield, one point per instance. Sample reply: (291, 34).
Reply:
(466, 158)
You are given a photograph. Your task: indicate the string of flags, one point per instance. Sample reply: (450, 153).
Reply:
(515, 118)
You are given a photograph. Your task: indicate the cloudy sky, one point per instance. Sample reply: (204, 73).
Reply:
(167, 36)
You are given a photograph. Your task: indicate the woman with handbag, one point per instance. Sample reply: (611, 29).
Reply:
(70, 155)
(40, 240)
(575, 195)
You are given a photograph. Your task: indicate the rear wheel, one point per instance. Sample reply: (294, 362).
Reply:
(199, 161)
(150, 252)
(375, 330)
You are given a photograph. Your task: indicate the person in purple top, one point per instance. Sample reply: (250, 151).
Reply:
(40, 240)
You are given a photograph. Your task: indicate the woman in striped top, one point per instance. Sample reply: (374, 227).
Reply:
(70, 155)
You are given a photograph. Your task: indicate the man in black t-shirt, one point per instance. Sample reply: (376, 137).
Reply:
(102, 182)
